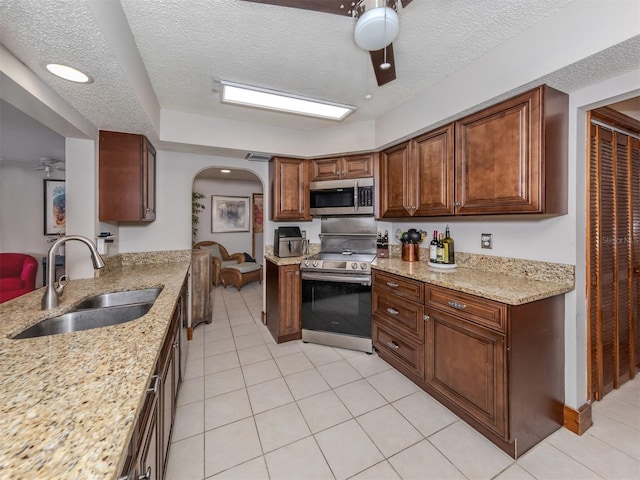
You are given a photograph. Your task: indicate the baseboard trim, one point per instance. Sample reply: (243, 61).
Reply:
(189, 333)
(578, 421)
(264, 318)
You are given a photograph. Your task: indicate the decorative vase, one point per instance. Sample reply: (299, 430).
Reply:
(410, 252)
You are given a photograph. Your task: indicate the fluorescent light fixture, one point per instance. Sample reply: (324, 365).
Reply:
(225, 171)
(68, 73)
(282, 102)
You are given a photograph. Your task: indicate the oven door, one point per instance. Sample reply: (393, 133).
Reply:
(336, 304)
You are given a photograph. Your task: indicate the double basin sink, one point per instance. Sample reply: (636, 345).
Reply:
(95, 312)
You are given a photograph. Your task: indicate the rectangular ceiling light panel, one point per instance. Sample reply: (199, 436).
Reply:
(282, 102)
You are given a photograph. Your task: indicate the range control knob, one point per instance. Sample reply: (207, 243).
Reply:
(315, 263)
(354, 266)
(306, 263)
(363, 266)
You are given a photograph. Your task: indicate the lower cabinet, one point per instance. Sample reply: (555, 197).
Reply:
(499, 367)
(149, 447)
(284, 308)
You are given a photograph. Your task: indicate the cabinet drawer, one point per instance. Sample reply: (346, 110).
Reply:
(404, 287)
(475, 309)
(399, 349)
(399, 313)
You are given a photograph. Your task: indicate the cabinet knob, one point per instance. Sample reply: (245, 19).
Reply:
(456, 204)
(426, 318)
(393, 345)
(392, 311)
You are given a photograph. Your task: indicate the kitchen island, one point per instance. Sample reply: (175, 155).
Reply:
(70, 401)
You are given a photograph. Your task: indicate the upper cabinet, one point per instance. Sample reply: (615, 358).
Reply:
(127, 178)
(510, 158)
(337, 168)
(416, 177)
(290, 187)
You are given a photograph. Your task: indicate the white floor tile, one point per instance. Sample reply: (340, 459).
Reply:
(260, 372)
(392, 385)
(254, 354)
(425, 413)
(293, 363)
(189, 421)
(515, 472)
(360, 397)
(305, 384)
(230, 445)
(615, 408)
(302, 459)
(186, 459)
(281, 426)
(389, 430)
(380, 471)
(617, 434)
(282, 349)
(339, 373)
(367, 365)
(252, 470)
(348, 449)
(220, 363)
(246, 341)
(546, 461)
(268, 395)
(191, 391)
(244, 329)
(223, 382)
(424, 462)
(194, 369)
(226, 408)
(470, 452)
(219, 346)
(322, 356)
(323, 410)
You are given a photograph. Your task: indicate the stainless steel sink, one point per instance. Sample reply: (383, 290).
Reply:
(85, 320)
(146, 295)
(95, 312)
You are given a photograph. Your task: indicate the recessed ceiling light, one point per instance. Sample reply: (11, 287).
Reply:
(68, 73)
(282, 102)
(225, 171)
(368, 96)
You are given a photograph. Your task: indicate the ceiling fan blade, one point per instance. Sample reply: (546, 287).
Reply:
(378, 58)
(339, 7)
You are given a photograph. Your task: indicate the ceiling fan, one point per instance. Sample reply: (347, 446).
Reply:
(374, 22)
(49, 165)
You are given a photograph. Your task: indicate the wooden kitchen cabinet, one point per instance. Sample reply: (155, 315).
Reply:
(127, 178)
(417, 176)
(338, 168)
(284, 304)
(149, 446)
(513, 157)
(290, 187)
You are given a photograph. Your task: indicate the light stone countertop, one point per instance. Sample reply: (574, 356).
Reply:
(69, 401)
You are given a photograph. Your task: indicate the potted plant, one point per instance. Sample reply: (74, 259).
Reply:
(196, 209)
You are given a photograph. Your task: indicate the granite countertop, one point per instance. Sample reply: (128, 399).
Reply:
(69, 401)
(492, 285)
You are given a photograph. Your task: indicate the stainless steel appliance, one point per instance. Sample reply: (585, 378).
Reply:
(336, 285)
(288, 242)
(341, 197)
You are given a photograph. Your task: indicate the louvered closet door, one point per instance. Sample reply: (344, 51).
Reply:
(614, 236)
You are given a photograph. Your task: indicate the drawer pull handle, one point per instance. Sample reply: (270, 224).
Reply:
(393, 345)
(391, 311)
(156, 384)
(392, 285)
(459, 306)
(147, 474)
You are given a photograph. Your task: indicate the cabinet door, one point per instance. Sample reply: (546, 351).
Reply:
(326, 169)
(290, 189)
(434, 158)
(466, 364)
(357, 166)
(397, 183)
(149, 181)
(148, 458)
(290, 298)
(498, 158)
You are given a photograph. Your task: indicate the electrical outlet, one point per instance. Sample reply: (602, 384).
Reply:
(486, 240)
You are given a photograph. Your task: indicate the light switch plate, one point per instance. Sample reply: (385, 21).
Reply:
(486, 240)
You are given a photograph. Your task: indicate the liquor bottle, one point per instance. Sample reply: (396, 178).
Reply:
(433, 245)
(449, 250)
(440, 249)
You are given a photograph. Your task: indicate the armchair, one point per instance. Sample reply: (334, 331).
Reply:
(220, 258)
(17, 275)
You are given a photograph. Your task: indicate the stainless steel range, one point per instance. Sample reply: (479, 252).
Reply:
(336, 285)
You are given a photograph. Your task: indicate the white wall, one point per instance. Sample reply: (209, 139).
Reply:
(232, 241)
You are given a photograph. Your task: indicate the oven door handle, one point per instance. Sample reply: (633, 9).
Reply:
(336, 278)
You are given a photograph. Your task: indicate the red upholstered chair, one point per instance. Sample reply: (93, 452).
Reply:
(17, 275)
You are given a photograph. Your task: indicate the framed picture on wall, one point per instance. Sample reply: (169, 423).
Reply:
(229, 214)
(258, 213)
(54, 207)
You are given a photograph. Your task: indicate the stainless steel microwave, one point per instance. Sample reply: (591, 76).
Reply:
(341, 197)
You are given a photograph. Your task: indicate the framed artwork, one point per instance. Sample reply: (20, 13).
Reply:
(229, 214)
(258, 213)
(54, 207)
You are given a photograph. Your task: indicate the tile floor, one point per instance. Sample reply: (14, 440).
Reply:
(251, 409)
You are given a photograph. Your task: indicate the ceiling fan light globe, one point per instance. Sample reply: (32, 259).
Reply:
(371, 34)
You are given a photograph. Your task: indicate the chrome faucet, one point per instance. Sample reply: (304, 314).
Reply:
(51, 297)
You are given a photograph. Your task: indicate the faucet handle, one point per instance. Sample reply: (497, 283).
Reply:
(62, 282)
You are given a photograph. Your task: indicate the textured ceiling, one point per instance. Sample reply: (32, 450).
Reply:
(187, 46)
